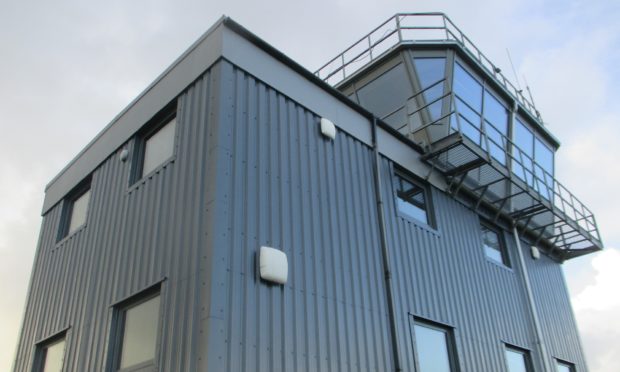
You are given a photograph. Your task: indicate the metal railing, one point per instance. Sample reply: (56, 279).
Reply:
(406, 28)
(569, 223)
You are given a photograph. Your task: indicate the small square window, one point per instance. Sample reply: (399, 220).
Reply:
(136, 328)
(517, 360)
(50, 355)
(155, 144)
(434, 347)
(412, 199)
(493, 245)
(75, 210)
(564, 366)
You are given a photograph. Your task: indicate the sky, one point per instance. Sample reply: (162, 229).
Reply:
(68, 67)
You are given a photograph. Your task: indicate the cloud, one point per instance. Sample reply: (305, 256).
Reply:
(597, 309)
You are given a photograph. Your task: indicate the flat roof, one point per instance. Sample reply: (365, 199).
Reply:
(230, 41)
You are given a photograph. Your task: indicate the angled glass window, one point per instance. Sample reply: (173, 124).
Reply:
(159, 147)
(468, 104)
(496, 125)
(523, 153)
(431, 72)
(136, 329)
(493, 245)
(543, 156)
(564, 366)
(433, 346)
(412, 199)
(517, 360)
(387, 94)
(51, 356)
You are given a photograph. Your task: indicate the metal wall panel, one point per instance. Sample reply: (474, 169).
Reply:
(286, 186)
(251, 168)
(135, 236)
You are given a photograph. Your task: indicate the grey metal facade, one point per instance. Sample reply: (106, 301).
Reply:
(251, 168)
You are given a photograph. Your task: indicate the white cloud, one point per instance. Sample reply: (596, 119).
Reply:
(597, 309)
(603, 294)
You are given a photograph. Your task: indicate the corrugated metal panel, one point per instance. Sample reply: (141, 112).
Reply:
(134, 237)
(252, 169)
(287, 187)
(555, 312)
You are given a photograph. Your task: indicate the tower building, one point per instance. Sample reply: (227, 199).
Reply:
(397, 210)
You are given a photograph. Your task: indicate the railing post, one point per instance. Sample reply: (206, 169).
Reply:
(400, 34)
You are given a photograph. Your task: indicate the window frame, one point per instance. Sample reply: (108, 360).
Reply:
(398, 174)
(562, 362)
(447, 330)
(117, 330)
(41, 348)
(152, 127)
(527, 357)
(64, 229)
(506, 262)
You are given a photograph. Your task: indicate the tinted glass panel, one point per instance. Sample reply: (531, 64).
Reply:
(159, 147)
(562, 367)
(516, 361)
(432, 349)
(78, 211)
(53, 357)
(430, 71)
(492, 245)
(496, 116)
(544, 169)
(140, 333)
(467, 88)
(386, 93)
(524, 153)
(411, 200)
(469, 122)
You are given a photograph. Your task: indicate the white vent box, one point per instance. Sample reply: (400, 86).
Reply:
(273, 265)
(328, 129)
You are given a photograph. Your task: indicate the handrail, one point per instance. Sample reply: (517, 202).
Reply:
(335, 70)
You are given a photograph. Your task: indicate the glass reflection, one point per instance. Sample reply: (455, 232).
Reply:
(430, 71)
(496, 122)
(515, 361)
(54, 356)
(432, 348)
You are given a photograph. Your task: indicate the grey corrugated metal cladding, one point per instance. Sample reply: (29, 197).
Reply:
(250, 168)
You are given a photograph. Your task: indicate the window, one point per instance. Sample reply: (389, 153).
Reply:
(50, 355)
(412, 199)
(564, 366)
(155, 145)
(135, 334)
(434, 348)
(430, 72)
(75, 209)
(517, 360)
(388, 93)
(493, 245)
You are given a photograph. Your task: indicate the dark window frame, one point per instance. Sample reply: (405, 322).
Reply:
(527, 356)
(41, 348)
(429, 209)
(448, 331)
(558, 362)
(506, 262)
(152, 127)
(67, 209)
(117, 329)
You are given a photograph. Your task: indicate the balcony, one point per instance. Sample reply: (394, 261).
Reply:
(477, 128)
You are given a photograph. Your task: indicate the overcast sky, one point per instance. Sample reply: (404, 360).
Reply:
(68, 67)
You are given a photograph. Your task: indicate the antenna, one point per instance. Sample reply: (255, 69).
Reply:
(514, 71)
(529, 92)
